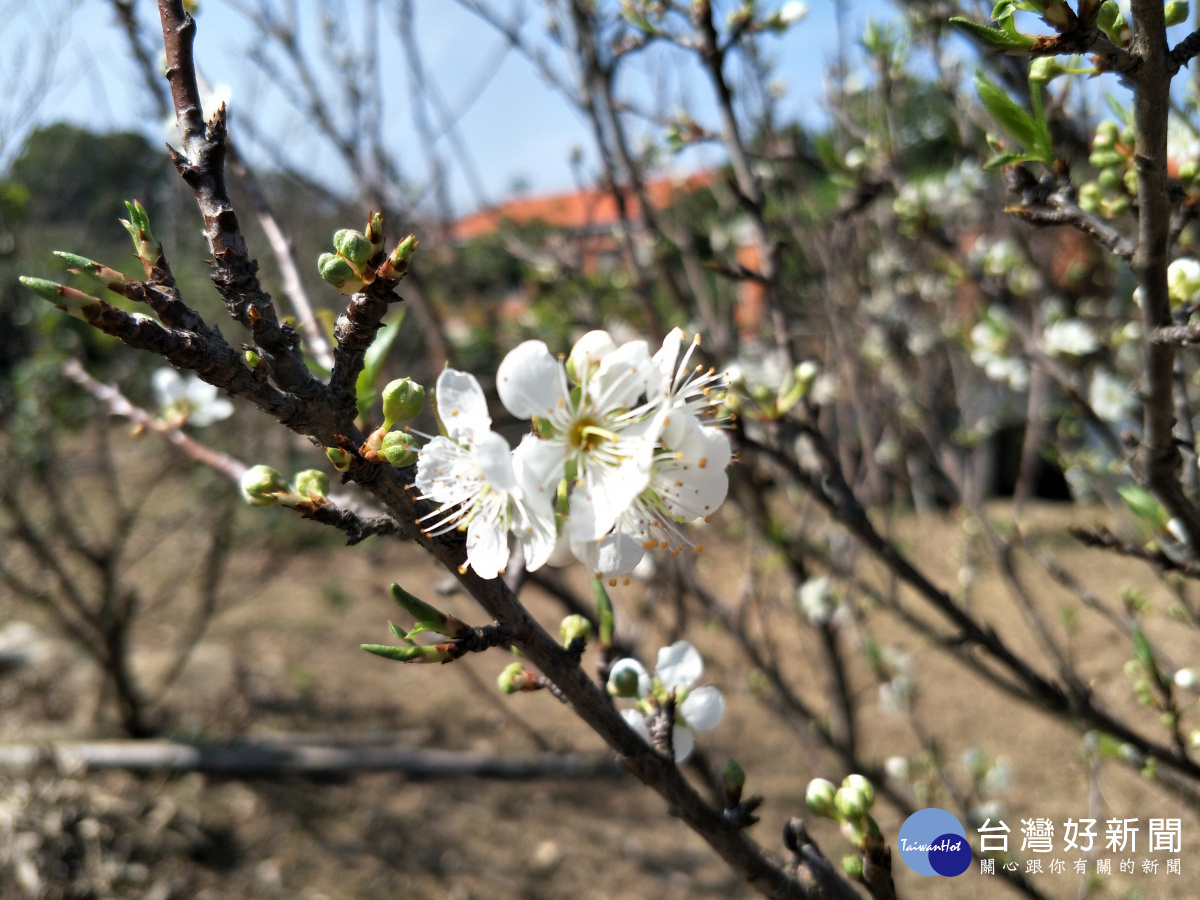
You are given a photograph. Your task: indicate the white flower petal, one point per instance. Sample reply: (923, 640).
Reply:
(491, 453)
(215, 410)
(703, 708)
(562, 554)
(461, 406)
(530, 381)
(679, 665)
(589, 350)
(637, 723)
(683, 743)
(168, 386)
(436, 465)
(624, 375)
(618, 553)
(487, 546)
(538, 465)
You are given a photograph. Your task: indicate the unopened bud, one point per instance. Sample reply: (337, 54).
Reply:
(312, 483)
(819, 798)
(853, 834)
(261, 486)
(138, 226)
(515, 678)
(353, 246)
(851, 804)
(81, 265)
(399, 448)
(1176, 12)
(575, 627)
(404, 251)
(339, 273)
(852, 865)
(625, 680)
(253, 360)
(429, 617)
(733, 782)
(403, 399)
(340, 458)
(861, 784)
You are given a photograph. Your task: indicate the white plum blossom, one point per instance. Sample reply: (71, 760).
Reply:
(815, 598)
(792, 12)
(188, 399)
(1070, 337)
(1183, 281)
(678, 667)
(481, 485)
(1111, 397)
(991, 339)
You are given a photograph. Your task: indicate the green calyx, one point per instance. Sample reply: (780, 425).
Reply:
(403, 399)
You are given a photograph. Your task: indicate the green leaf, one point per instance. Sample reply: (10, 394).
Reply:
(1141, 649)
(1144, 506)
(364, 387)
(1006, 38)
(1123, 114)
(1010, 159)
(1029, 130)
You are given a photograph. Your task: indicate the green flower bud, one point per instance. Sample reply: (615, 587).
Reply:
(374, 232)
(733, 781)
(399, 448)
(515, 678)
(1176, 12)
(853, 834)
(623, 682)
(253, 360)
(261, 486)
(340, 458)
(575, 627)
(312, 483)
(1118, 206)
(819, 798)
(1107, 133)
(70, 300)
(852, 865)
(1130, 180)
(1090, 197)
(1103, 159)
(1112, 179)
(396, 265)
(861, 784)
(353, 246)
(403, 399)
(419, 654)
(339, 273)
(851, 804)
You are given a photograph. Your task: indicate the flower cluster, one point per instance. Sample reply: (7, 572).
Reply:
(678, 668)
(623, 452)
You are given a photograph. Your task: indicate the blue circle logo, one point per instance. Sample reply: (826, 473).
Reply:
(933, 842)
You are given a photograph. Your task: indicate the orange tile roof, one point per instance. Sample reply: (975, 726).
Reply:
(589, 208)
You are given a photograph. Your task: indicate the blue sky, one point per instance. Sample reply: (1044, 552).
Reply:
(517, 127)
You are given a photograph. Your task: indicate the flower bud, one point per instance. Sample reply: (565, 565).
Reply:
(851, 804)
(1106, 158)
(1090, 197)
(575, 627)
(819, 798)
(861, 784)
(515, 678)
(853, 834)
(733, 782)
(587, 352)
(138, 226)
(340, 458)
(312, 483)
(852, 865)
(1176, 12)
(1111, 179)
(261, 486)
(81, 265)
(1107, 133)
(352, 246)
(624, 680)
(403, 399)
(399, 448)
(898, 767)
(339, 273)
(253, 360)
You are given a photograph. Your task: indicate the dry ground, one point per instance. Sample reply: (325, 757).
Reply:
(282, 656)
